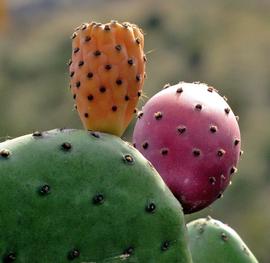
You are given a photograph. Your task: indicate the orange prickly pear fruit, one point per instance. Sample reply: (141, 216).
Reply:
(107, 71)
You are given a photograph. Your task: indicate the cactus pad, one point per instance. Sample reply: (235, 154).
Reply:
(70, 195)
(212, 241)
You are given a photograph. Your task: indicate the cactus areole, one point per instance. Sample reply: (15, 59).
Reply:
(212, 241)
(70, 195)
(191, 136)
(107, 71)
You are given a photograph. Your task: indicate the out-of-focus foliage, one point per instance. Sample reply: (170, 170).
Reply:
(223, 43)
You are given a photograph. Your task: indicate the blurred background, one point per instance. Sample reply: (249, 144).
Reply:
(223, 43)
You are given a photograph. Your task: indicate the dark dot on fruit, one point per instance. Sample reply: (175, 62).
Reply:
(179, 90)
(97, 53)
(86, 115)
(95, 134)
(107, 28)
(166, 86)
(102, 89)
(134, 145)
(158, 115)
(126, 97)
(118, 47)
(233, 170)
(213, 129)
(125, 25)
(196, 152)
(164, 151)
(37, 134)
(144, 58)
(78, 84)
(212, 180)
(87, 38)
(165, 245)
(151, 207)
(198, 107)
(221, 152)
(220, 195)
(114, 108)
(130, 62)
(119, 82)
(224, 237)
(73, 254)
(98, 199)
(138, 78)
(138, 41)
(236, 142)
(5, 153)
(76, 50)
(90, 97)
(44, 189)
(227, 110)
(139, 93)
(128, 159)
(90, 75)
(181, 129)
(201, 230)
(66, 146)
(74, 96)
(140, 114)
(9, 257)
(73, 35)
(69, 62)
(128, 251)
(145, 145)
(81, 63)
(108, 67)
(71, 74)
(210, 89)
(84, 26)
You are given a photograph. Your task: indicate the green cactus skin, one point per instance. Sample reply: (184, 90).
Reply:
(78, 196)
(211, 241)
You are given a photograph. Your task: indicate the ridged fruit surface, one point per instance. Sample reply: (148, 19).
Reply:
(191, 136)
(211, 241)
(71, 195)
(107, 71)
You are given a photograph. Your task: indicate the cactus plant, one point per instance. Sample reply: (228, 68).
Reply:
(71, 195)
(192, 138)
(107, 73)
(212, 241)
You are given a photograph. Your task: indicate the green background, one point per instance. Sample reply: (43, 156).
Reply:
(223, 43)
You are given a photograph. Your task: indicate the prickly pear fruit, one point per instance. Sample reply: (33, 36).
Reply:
(192, 138)
(212, 241)
(70, 195)
(107, 74)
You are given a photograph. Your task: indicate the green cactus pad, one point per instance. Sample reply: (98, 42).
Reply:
(77, 196)
(214, 242)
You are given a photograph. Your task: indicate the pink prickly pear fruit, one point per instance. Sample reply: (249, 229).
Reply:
(191, 136)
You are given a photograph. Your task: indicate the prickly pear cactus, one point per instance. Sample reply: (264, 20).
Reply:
(191, 136)
(70, 195)
(107, 72)
(214, 242)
